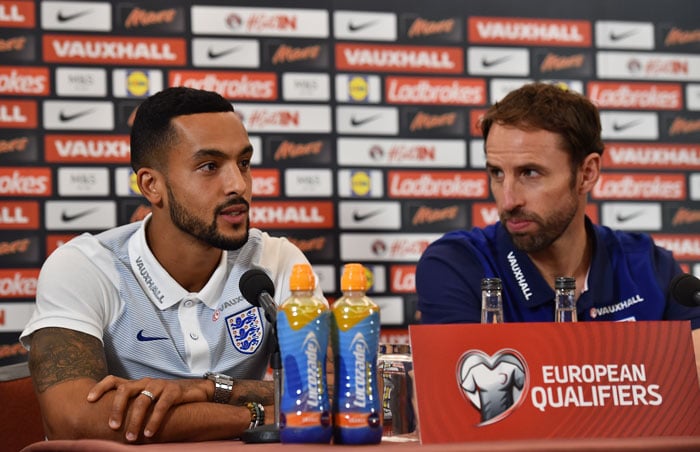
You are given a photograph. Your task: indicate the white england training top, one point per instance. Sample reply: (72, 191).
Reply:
(110, 286)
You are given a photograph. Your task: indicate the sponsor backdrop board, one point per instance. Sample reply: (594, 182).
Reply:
(362, 115)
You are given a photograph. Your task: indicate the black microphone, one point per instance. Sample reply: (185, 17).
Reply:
(685, 288)
(258, 289)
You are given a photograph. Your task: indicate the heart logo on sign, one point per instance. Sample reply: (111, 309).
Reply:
(494, 384)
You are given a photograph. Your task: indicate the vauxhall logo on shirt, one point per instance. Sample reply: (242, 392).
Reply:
(148, 280)
(519, 276)
(225, 305)
(617, 307)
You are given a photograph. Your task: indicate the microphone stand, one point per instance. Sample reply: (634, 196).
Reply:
(270, 433)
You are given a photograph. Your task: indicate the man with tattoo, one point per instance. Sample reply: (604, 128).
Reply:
(140, 333)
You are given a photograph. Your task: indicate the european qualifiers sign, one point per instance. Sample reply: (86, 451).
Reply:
(628, 379)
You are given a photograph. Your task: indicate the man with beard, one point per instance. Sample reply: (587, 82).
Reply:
(140, 333)
(543, 156)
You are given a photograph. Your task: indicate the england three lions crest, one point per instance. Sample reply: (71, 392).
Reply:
(246, 330)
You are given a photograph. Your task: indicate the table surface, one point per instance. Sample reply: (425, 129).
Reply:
(393, 444)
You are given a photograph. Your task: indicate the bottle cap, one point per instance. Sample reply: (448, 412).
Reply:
(302, 278)
(354, 278)
(491, 284)
(565, 282)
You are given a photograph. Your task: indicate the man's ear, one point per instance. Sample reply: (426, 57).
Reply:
(590, 172)
(150, 184)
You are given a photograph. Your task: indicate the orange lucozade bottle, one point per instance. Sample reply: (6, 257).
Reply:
(303, 331)
(355, 340)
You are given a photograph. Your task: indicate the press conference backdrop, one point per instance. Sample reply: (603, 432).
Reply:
(362, 114)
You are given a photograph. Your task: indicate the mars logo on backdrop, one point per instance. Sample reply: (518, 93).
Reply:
(495, 385)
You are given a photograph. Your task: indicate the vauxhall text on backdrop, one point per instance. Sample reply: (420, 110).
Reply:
(362, 114)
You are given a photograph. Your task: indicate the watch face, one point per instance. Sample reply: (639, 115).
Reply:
(213, 376)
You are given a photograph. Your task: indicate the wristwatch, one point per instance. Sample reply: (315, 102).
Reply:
(223, 386)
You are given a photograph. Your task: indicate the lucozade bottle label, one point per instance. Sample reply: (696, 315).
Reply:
(303, 332)
(355, 339)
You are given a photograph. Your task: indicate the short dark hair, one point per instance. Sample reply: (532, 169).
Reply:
(152, 131)
(553, 108)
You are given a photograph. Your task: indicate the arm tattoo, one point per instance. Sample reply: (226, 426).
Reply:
(253, 391)
(59, 354)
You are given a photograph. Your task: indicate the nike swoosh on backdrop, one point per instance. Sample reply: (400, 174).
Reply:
(488, 63)
(143, 338)
(623, 218)
(358, 27)
(68, 17)
(67, 218)
(619, 36)
(620, 127)
(362, 217)
(214, 55)
(64, 117)
(358, 122)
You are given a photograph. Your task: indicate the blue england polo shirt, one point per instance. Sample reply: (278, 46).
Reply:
(628, 279)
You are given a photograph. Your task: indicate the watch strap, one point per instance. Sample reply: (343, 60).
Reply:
(223, 386)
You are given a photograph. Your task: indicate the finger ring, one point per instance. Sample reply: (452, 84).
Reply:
(148, 394)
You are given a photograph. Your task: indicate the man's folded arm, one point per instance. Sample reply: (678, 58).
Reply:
(66, 365)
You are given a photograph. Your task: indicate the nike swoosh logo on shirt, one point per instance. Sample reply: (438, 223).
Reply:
(143, 338)
(214, 55)
(619, 36)
(68, 17)
(66, 217)
(64, 117)
(358, 122)
(358, 27)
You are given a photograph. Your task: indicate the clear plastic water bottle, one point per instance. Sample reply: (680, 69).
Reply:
(491, 300)
(395, 366)
(565, 299)
(355, 341)
(303, 322)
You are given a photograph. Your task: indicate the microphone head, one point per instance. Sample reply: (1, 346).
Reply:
(253, 283)
(684, 288)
